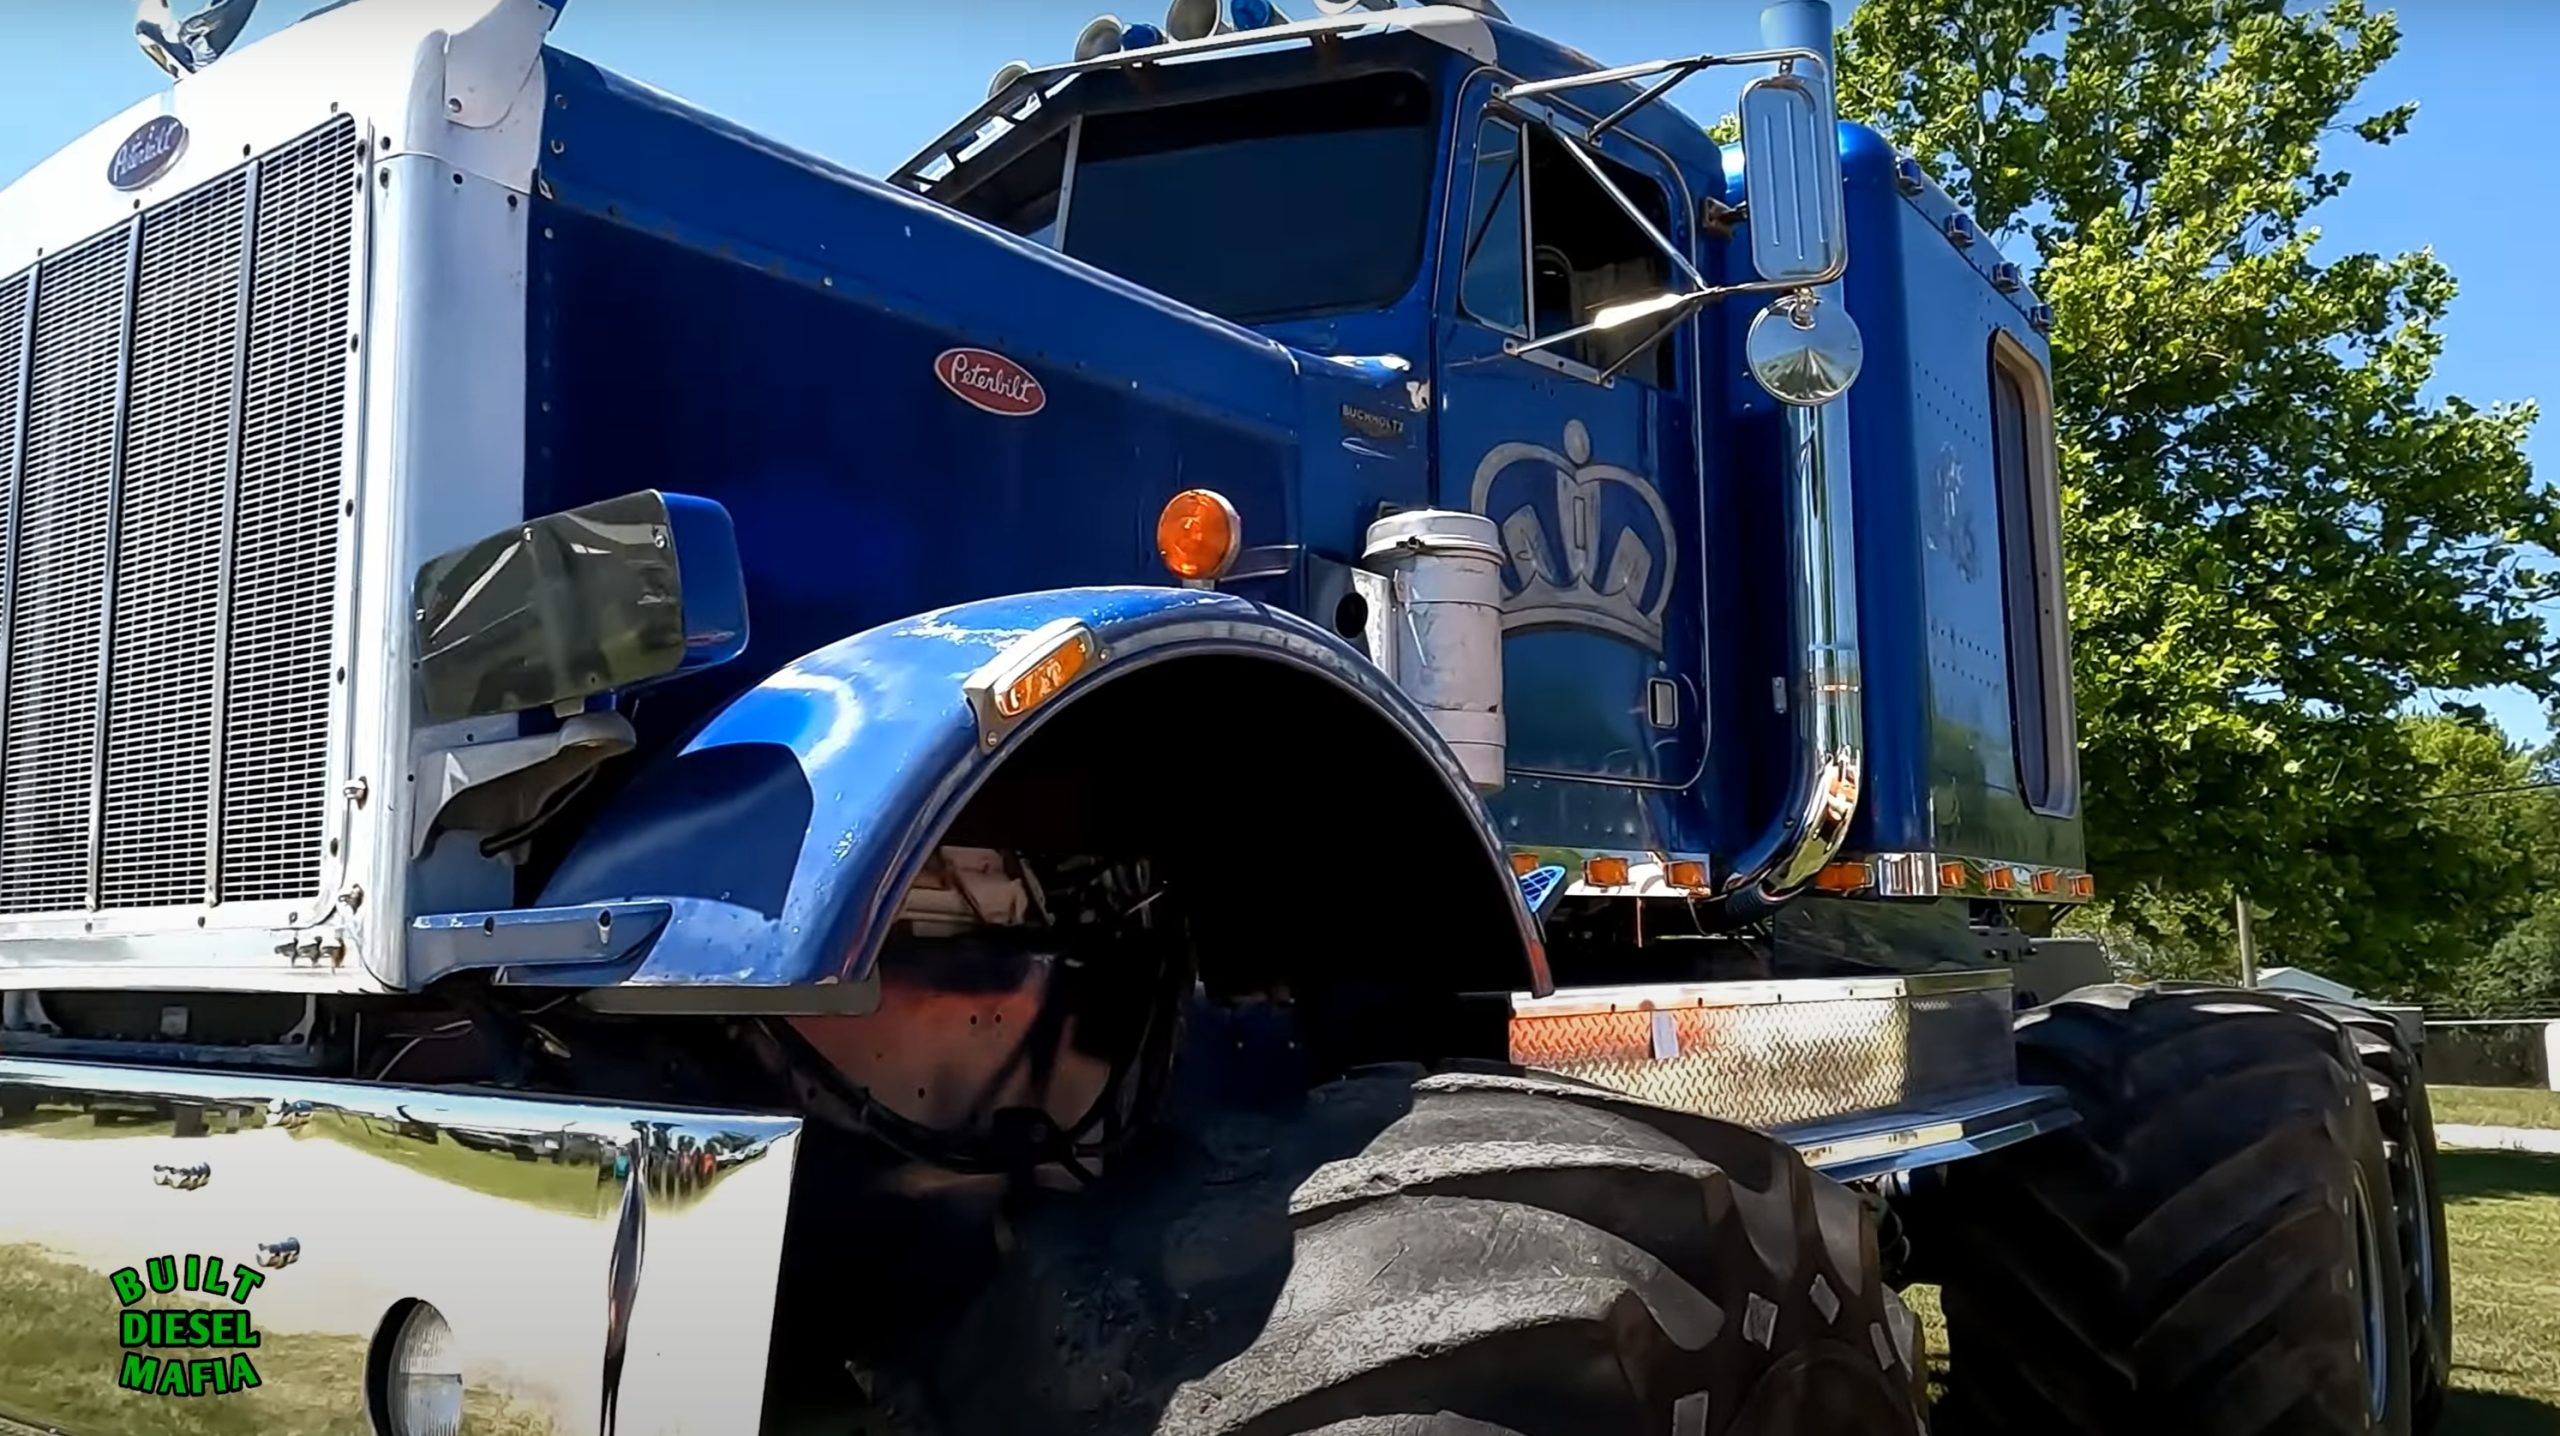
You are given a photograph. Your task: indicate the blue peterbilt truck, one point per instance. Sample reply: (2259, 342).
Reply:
(1326, 729)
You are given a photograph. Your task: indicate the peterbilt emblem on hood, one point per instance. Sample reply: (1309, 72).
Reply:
(991, 381)
(147, 153)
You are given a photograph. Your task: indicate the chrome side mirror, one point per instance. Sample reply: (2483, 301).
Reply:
(1791, 179)
(1803, 351)
(610, 596)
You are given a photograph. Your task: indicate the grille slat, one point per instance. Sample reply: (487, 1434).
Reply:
(159, 778)
(59, 572)
(285, 569)
(163, 732)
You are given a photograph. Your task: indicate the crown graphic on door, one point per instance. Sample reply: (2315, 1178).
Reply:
(1586, 545)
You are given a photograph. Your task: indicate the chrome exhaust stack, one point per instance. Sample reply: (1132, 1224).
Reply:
(1807, 358)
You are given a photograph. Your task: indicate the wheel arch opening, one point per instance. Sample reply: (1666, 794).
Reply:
(1314, 848)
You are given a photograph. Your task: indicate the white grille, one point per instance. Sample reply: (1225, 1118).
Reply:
(173, 497)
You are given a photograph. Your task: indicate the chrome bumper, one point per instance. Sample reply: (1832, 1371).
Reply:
(604, 1268)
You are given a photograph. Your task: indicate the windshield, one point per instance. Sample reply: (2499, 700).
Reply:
(1282, 203)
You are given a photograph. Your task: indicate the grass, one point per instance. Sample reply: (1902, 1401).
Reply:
(2502, 1214)
(2496, 1106)
(2502, 1217)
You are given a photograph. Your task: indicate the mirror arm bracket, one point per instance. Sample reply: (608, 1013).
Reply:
(1628, 207)
(1679, 316)
(1521, 348)
(1652, 92)
(1681, 68)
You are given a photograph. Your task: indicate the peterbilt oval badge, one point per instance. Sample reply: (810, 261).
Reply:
(147, 153)
(991, 381)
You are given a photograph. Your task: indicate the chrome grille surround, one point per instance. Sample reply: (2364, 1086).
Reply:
(176, 425)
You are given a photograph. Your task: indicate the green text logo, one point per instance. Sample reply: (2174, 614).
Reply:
(190, 1350)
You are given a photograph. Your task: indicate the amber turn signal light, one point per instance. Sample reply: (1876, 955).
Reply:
(1841, 877)
(1198, 535)
(1046, 676)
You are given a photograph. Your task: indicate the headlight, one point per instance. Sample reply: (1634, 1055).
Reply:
(418, 1386)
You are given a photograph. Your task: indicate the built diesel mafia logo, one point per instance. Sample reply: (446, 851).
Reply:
(1588, 545)
(201, 1349)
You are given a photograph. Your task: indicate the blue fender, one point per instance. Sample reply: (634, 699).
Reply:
(777, 843)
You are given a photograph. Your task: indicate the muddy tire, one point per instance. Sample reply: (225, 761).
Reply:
(2399, 1087)
(2210, 1252)
(1466, 1254)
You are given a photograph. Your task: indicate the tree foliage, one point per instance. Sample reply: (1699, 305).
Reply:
(2277, 539)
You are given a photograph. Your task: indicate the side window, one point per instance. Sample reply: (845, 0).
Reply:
(2031, 579)
(1577, 253)
(1023, 196)
(1490, 286)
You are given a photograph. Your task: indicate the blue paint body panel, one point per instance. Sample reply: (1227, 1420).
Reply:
(783, 834)
(1945, 774)
(717, 314)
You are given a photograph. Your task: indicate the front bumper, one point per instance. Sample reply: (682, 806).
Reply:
(603, 1268)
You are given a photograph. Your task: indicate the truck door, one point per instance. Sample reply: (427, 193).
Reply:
(1585, 456)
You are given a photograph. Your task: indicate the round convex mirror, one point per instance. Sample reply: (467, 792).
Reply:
(1804, 351)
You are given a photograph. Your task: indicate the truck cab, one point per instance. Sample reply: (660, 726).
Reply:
(1398, 201)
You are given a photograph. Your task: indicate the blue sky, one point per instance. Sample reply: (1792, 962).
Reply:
(866, 82)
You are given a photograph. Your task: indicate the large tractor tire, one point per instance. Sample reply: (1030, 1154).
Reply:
(1461, 1254)
(2211, 1251)
(2399, 1087)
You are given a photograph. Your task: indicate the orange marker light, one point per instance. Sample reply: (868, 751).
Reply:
(2000, 880)
(1605, 872)
(1524, 864)
(2048, 883)
(1841, 877)
(2084, 886)
(1951, 875)
(1198, 534)
(1047, 676)
(1688, 874)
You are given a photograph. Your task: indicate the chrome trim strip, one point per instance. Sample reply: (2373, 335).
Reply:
(1603, 1001)
(1923, 875)
(1873, 1144)
(514, 1215)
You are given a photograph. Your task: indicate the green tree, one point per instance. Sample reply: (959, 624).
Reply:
(2277, 541)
